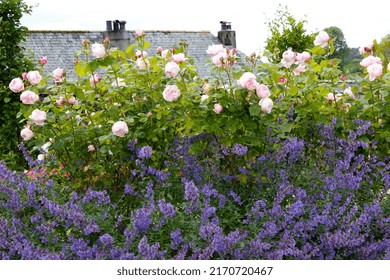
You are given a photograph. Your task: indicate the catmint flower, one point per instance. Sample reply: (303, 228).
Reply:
(144, 152)
(166, 208)
(176, 239)
(141, 219)
(106, 240)
(239, 149)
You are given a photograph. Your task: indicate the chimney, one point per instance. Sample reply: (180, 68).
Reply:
(116, 31)
(226, 35)
(109, 25)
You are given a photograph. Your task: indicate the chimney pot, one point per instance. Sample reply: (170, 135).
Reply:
(225, 25)
(116, 25)
(108, 25)
(122, 25)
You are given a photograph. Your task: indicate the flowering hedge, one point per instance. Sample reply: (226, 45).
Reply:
(140, 158)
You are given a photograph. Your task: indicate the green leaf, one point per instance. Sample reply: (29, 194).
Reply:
(275, 77)
(293, 91)
(104, 138)
(91, 96)
(146, 44)
(81, 69)
(94, 65)
(254, 110)
(113, 111)
(129, 51)
(286, 127)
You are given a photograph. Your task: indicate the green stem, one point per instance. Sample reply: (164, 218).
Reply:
(183, 82)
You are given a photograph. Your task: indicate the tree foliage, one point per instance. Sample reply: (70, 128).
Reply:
(13, 62)
(286, 32)
(384, 48)
(341, 50)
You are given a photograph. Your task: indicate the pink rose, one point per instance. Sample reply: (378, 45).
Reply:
(172, 69)
(95, 79)
(43, 60)
(370, 60)
(58, 74)
(16, 85)
(171, 93)
(72, 101)
(218, 108)
(349, 92)
(139, 33)
(262, 91)
(29, 97)
(302, 57)
(333, 97)
(91, 148)
(38, 117)
(288, 58)
(300, 69)
(164, 53)
(120, 128)
(98, 50)
(266, 105)
(282, 80)
(248, 81)
(215, 49)
(142, 63)
(60, 101)
(26, 133)
(375, 71)
(322, 39)
(159, 49)
(34, 77)
(220, 59)
(180, 57)
(140, 54)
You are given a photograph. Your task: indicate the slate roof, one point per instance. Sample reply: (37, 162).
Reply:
(60, 46)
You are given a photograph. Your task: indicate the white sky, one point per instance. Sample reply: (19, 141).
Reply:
(360, 21)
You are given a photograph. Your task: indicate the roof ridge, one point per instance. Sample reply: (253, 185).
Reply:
(93, 31)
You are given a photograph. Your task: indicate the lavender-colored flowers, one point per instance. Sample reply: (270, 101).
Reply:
(141, 219)
(239, 149)
(144, 152)
(325, 199)
(166, 208)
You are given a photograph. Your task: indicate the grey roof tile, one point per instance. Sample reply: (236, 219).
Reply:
(60, 46)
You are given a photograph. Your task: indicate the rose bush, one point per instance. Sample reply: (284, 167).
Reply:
(157, 98)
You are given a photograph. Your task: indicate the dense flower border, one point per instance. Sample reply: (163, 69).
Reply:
(149, 161)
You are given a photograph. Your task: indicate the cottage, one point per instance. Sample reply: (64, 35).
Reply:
(60, 46)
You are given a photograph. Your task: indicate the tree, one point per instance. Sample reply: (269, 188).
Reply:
(352, 63)
(341, 50)
(384, 48)
(285, 32)
(13, 62)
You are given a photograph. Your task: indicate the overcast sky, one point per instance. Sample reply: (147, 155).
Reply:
(360, 21)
